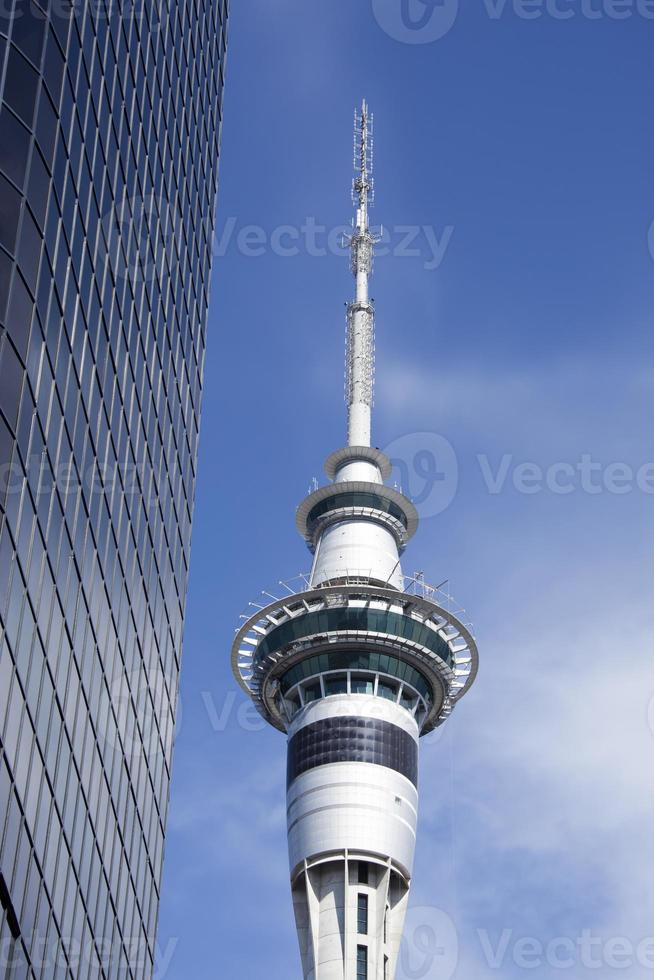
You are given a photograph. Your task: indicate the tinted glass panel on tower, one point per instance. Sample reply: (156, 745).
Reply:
(110, 118)
(352, 739)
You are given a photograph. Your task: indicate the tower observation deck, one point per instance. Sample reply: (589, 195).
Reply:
(354, 665)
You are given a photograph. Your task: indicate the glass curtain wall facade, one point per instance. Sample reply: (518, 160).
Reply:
(110, 118)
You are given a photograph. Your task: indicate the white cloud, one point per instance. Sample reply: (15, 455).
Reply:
(537, 805)
(231, 820)
(565, 404)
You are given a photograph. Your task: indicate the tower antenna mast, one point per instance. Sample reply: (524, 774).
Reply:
(360, 345)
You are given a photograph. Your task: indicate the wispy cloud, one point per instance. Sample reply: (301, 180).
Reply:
(228, 820)
(563, 403)
(536, 804)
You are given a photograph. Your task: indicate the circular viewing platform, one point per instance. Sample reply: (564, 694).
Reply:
(355, 635)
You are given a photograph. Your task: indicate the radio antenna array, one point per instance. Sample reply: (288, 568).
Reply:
(360, 335)
(363, 185)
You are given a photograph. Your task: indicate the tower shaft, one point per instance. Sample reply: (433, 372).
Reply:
(354, 668)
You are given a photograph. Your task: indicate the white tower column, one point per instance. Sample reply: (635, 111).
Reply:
(354, 668)
(351, 832)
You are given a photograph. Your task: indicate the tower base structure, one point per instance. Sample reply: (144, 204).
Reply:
(352, 807)
(331, 895)
(354, 671)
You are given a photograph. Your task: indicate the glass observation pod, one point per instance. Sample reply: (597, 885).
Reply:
(405, 639)
(353, 500)
(372, 674)
(360, 615)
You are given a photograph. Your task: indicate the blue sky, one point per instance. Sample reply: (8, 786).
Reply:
(518, 352)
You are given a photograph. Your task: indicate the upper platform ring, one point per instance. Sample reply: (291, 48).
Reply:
(336, 489)
(354, 454)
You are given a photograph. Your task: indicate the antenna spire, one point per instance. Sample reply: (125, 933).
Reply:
(360, 350)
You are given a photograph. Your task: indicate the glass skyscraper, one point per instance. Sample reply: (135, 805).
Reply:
(110, 118)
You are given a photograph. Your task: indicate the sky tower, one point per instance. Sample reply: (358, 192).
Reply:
(354, 665)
